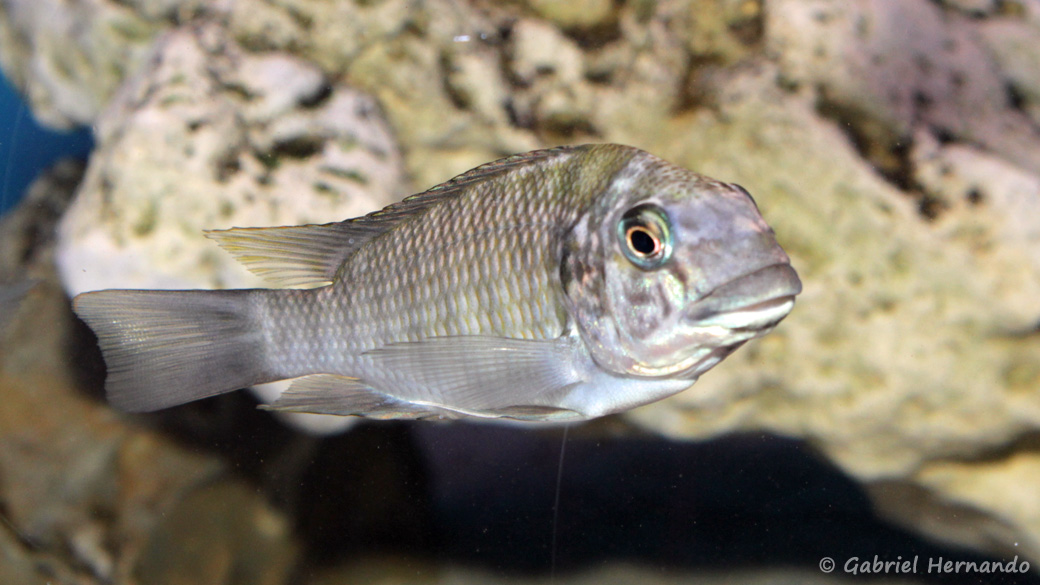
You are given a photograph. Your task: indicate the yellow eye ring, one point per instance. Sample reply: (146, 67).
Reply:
(642, 242)
(645, 236)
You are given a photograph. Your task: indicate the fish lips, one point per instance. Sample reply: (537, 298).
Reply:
(754, 302)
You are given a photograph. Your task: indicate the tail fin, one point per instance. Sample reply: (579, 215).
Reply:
(165, 348)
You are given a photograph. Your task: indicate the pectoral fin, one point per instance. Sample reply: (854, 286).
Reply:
(482, 376)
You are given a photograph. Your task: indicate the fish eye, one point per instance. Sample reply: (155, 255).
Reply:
(645, 236)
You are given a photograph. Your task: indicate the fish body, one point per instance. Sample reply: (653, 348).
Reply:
(560, 284)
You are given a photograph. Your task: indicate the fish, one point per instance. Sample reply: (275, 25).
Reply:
(561, 284)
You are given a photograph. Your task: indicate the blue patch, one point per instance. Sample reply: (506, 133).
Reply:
(27, 149)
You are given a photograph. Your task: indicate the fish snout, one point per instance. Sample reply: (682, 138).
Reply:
(755, 301)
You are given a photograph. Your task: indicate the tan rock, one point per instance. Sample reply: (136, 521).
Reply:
(569, 14)
(1011, 40)
(972, 7)
(886, 66)
(69, 60)
(204, 540)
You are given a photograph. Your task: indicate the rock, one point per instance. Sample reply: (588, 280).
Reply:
(550, 68)
(972, 7)
(538, 50)
(203, 540)
(27, 239)
(426, 82)
(884, 67)
(645, 78)
(1010, 39)
(475, 83)
(17, 566)
(574, 14)
(12, 294)
(69, 60)
(329, 34)
(976, 190)
(719, 32)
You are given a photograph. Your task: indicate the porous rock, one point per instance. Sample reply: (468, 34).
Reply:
(1011, 41)
(68, 59)
(579, 14)
(886, 67)
(972, 7)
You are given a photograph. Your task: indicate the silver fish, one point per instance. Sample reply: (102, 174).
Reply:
(561, 284)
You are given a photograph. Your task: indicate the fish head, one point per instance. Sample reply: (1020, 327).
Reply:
(671, 271)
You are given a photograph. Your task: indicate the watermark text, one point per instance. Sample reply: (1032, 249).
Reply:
(917, 564)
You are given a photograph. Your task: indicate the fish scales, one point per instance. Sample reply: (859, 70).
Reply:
(560, 284)
(458, 272)
(505, 237)
(504, 234)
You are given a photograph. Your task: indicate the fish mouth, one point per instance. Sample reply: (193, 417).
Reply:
(753, 302)
(722, 320)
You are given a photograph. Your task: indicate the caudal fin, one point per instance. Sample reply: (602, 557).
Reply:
(164, 348)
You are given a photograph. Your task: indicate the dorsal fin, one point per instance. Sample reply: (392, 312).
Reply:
(418, 203)
(310, 255)
(305, 255)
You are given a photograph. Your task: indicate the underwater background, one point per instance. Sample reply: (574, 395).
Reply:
(894, 145)
(27, 148)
